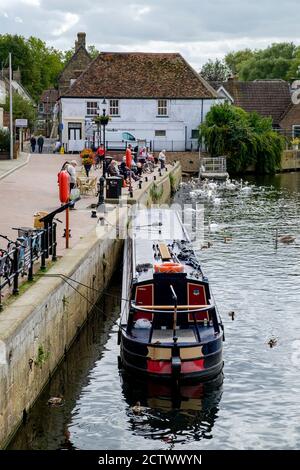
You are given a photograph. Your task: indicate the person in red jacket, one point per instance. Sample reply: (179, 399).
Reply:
(128, 156)
(100, 154)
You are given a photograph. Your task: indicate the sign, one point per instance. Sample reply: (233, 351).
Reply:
(60, 126)
(21, 123)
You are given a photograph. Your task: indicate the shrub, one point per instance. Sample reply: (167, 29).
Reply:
(4, 140)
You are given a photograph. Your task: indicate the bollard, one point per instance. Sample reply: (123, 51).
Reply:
(146, 179)
(140, 185)
(101, 191)
(154, 177)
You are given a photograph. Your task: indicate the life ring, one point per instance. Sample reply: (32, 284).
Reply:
(168, 268)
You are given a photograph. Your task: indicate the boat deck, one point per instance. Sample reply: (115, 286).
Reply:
(165, 336)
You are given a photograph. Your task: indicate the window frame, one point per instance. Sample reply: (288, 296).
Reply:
(162, 108)
(160, 135)
(192, 136)
(114, 105)
(89, 108)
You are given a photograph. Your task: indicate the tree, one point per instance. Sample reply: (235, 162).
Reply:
(233, 60)
(246, 138)
(22, 108)
(215, 71)
(278, 61)
(39, 64)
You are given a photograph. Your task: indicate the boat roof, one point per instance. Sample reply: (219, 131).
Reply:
(159, 236)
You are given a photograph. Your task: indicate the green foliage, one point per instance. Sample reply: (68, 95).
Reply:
(42, 357)
(245, 138)
(278, 61)
(215, 71)
(234, 59)
(22, 108)
(4, 141)
(39, 64)
(156, 193)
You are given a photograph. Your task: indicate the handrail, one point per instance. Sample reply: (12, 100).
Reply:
(170, 308)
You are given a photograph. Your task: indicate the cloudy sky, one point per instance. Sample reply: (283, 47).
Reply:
(199, 29)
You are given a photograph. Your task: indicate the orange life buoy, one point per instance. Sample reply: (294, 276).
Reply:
(168, 268)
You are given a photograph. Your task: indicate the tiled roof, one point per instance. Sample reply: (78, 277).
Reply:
(267, 97)
(140, 75)
(50, 95)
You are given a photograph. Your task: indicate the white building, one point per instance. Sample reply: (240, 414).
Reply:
(157, 98)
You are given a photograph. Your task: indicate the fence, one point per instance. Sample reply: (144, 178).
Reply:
(18, 260)
(212, 165)
(156, 145)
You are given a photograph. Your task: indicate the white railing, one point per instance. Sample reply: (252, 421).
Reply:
(213, 165)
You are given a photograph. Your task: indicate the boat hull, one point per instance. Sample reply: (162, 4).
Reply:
(163, 362)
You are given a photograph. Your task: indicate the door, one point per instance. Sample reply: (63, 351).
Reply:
(75, 130)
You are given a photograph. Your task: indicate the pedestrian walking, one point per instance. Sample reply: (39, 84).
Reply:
(162, 158)
(40, 142)
(33, 143)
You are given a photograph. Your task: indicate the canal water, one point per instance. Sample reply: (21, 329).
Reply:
(256, 404)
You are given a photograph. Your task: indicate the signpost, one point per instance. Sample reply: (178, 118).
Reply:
(21, 123)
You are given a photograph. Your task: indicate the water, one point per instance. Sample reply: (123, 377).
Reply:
(257, 406)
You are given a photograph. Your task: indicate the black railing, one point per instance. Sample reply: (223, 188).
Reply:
(19, 258)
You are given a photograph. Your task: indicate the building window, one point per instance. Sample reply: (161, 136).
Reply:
(160, 133)
(114, 107)
(91, 108)
(296, 131)
(195, 134)
(41, 107)
(162, 108)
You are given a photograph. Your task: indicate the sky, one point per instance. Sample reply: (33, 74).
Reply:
(198, 29)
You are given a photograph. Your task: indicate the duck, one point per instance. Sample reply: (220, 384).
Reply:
(287, 239)
(208, 245)
(231, 315)
(137, 409)
(55, 401)
(272, 342)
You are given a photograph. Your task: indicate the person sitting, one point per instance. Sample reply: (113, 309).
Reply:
(113, 169)
(123, 169)
(142, 155)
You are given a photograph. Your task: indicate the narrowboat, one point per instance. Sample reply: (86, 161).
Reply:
(169, 325)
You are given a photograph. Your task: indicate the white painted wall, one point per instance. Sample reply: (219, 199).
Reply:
(139, 117)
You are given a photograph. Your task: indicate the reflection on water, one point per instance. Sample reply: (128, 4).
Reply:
(257, 406)
(173, 414)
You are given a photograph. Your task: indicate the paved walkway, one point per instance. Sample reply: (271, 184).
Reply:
(34, 188)
(9, 166)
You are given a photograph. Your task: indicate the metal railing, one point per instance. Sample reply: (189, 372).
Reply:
(18, 260)
(213, 165)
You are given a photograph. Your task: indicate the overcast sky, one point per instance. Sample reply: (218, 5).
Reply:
(199, 29)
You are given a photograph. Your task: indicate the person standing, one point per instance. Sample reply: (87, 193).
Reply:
(72, 172)
(162, 158)
(128, 156)
(33, 143)
(40, 142)
(100, 154)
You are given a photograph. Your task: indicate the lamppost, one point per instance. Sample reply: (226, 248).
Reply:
(104, 121)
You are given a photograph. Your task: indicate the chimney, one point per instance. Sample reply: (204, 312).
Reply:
(233, 78)
(80, 41)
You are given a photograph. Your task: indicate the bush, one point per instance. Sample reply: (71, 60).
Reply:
(4, 141)
(245, 138)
